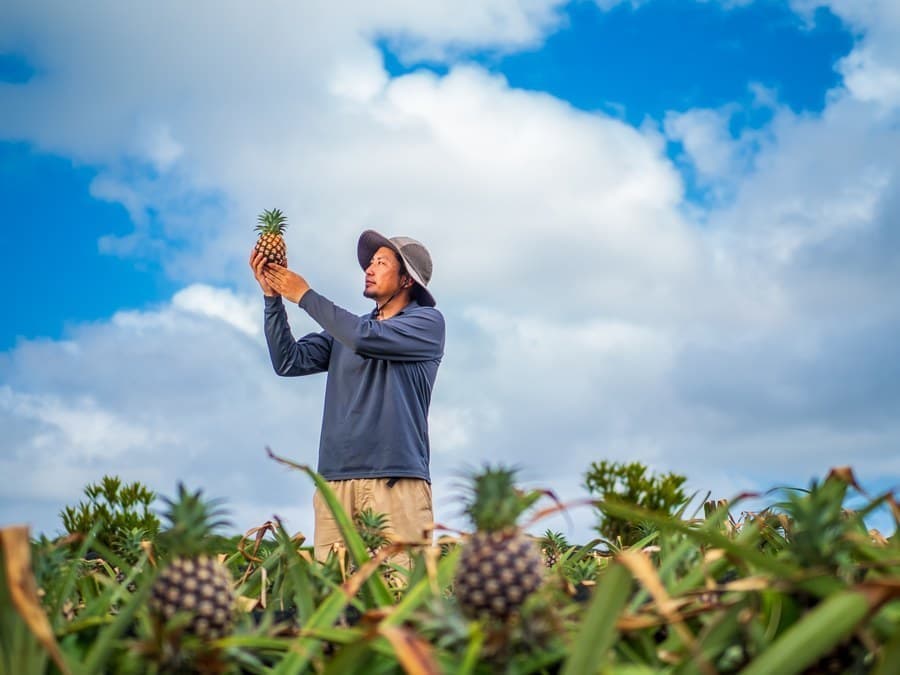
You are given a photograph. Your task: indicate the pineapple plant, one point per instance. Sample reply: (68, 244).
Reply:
(553, 545)
(271, 240)
(499, 566)
(194, 584)
(372, 528)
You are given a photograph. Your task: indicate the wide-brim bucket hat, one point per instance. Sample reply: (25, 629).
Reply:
(414, 254)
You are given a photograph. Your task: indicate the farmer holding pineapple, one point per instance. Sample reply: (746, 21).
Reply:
(374, 448)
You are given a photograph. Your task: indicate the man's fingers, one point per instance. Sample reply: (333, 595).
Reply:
(260, 265)
(257, 262)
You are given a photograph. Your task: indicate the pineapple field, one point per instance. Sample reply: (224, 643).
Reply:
(800, 585)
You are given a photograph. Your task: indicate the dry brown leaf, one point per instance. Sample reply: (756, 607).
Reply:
(642, 620)
(895, 509)
(23, 590)
(413, 652)
(879, 591)
(375, 615)
(642, 569)
(878, 538)
(845, 474)
(246, 604)
(757, 583)
(147, 547)
(438, 527)
(264, 582)
(259, 532)
(432, 554)
(353, 584)
(713, 554)
(556, 508)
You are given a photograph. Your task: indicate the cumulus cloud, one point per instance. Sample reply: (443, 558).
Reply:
(591, 312)
(240, 313)
(181, 391)
(868, 79)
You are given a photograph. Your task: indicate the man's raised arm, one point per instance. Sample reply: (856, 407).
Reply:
(414, 335)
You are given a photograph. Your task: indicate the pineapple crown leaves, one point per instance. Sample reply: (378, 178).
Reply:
(192, 522)
(271, 221)
(493, 502)
(554, 541)
(372, 527)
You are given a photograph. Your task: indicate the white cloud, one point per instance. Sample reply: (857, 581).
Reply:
(110, 189)
(76, 429)
(241, 313)
(706, 140)
(184, 391)
(158, 146)
(871, 81)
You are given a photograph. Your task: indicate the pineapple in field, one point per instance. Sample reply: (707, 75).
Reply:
(553, 545)
(271, 240)
(500, 566)
(194, 584)
(372, 528)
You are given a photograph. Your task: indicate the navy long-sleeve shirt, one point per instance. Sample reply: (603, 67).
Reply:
(380, 377)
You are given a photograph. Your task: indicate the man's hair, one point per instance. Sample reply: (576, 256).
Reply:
(414, 289)
(403, 270)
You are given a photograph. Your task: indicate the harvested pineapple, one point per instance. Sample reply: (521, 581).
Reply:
(272, 224)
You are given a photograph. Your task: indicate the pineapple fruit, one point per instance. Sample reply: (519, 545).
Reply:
(194, 584)
(500, 566)
(271, 240)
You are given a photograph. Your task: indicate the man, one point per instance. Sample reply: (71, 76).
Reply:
(374, 448)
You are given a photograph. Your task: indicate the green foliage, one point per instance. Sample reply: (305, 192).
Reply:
(818, 529)
(117, 509)
(631, 483)
(372, 528)
(801, 586)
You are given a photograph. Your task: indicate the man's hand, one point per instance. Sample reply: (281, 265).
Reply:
(258, 265)
(284, 282)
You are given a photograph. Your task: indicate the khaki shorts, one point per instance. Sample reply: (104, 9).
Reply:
(407, 504)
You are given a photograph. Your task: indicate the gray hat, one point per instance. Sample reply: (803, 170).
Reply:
(414, 254)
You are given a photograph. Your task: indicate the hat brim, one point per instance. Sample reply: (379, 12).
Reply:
(370, 241)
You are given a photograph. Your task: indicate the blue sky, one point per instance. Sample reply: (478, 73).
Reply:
(643, 61)
(675, 190)
(627, 61)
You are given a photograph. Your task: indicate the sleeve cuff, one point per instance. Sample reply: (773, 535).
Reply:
(273, 301)
(306, 299)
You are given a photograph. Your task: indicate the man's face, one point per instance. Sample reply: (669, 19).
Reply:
(382, 275)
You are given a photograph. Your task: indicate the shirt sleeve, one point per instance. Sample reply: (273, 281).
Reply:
(310, 354)
(417, 335)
